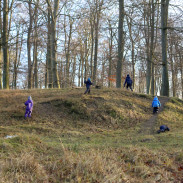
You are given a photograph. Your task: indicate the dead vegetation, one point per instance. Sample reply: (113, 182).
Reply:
(73, 137)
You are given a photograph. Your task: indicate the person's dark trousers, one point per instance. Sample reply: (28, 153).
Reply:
(130, 86)
(155, 109)
(87, 90)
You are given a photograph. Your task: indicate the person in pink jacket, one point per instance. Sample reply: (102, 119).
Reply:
(29, 107)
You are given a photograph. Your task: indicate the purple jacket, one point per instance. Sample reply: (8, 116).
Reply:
(29, 104)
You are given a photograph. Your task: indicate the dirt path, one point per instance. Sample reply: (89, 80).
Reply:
(148, 126)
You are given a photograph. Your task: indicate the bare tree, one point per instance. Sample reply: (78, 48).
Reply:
(48, 55)
(120, 44)
(29, 45)
(19, 42)
(164, 20)
(35, 51)
(5, 45)
(1, 56)
(152, 45)
(54, 15)
(110, 52)
(98, 14)
(67, 48)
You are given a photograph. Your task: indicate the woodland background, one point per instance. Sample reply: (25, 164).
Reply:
(60, 43)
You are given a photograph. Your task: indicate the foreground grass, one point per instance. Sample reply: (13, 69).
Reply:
(73, 137)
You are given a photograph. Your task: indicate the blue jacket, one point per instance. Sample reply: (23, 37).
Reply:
(128, 80)
(88, 83)
(156, 102)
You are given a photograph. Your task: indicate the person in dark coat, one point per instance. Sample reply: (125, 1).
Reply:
(29, 107)
(163, 128)
(88, 84)
(156, 104)
(128, 82)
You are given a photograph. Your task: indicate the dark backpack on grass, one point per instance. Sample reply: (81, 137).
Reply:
(163, 128)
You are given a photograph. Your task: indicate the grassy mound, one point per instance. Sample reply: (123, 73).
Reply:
(73, 137)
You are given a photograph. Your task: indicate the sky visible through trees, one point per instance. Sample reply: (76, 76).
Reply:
(69, 41)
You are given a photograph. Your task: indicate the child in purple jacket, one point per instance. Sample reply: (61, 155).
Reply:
(29, 107)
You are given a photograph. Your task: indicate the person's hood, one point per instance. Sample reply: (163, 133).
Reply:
(155, 98)
(29, 98)
(128, 76)
(89, 79)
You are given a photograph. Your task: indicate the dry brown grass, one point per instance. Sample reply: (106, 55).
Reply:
(22, 168)
(73, 137)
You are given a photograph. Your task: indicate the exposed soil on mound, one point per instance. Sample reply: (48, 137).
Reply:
(148, 126)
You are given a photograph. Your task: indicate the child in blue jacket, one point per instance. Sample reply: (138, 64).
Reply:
(88, 84)
(156, 104)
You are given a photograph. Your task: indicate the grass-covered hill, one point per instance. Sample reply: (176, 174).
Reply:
(97, 138)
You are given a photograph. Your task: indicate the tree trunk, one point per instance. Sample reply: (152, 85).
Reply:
(1, 56)
(152, 47)
(132, 49)
(61, 74)
(5, 46)
(56, 83)
(103, 71)
(96, 50)
(92, 45)
(46, 74)
(35, 54)
(79, 73)
(181, 71)
(110, 54)
(68, 54)
(164, 19)
(182, 80)
(15, 62)
(133, 64)
(74, 69)
(120, 44)
(82, 66)
(147, 18)
(172, 70)
(35, 65)
(29, 46)
(98, 12)
(86, 58)
(17, 59)
(1, 64)
(48, 55)
(53, 41)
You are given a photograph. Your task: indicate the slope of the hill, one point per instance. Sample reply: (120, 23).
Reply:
(99, 137)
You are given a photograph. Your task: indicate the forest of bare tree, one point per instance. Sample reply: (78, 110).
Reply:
(60, 43)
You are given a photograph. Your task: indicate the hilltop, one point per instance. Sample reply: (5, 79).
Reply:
(107, 136)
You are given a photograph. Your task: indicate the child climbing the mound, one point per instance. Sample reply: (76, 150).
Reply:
(156, 104)
(128, 82)
(29, 107)
(88, 83)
